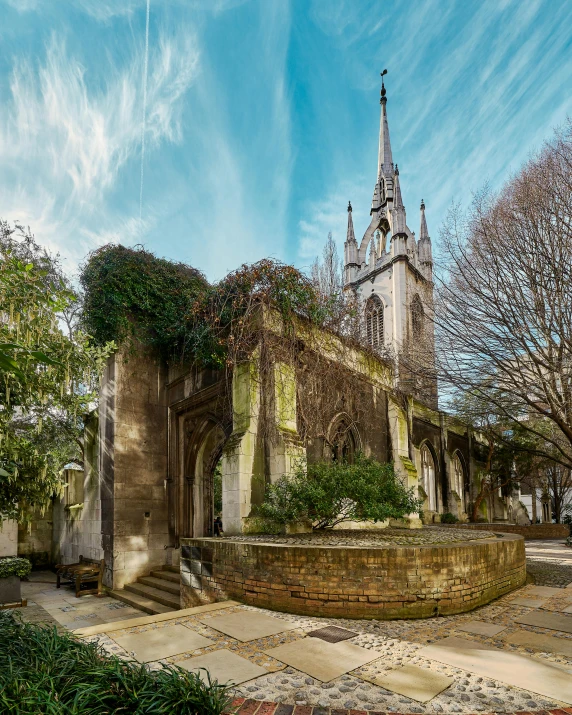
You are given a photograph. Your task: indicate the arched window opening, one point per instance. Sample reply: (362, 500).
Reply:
(417, 316)
(343, 442)
(428, 477)
(374, 322)
(459, 478)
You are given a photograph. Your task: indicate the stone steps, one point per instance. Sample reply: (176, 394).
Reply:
(157, 593)
(146, 605)
(161, 583)
(173, 576)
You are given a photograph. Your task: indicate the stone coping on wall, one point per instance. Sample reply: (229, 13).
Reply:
(359, 538)
(381, 582)
(244, 706)
(530, 532)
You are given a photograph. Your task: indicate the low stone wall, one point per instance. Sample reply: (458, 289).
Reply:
(530, 533)
(370, 582)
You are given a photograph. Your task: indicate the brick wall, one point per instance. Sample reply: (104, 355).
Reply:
(530, 533)
(398, 582)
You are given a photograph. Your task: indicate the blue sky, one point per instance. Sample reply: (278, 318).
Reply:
(263, 115)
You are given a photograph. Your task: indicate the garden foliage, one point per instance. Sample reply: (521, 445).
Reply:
(44, 672)
(49, 377)
(329, 493)
(131, 297)
(14, 566)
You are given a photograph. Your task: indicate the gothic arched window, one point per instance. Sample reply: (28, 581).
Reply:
(428, 477)
(374, 322)
(459, 478)
(417, 316)
(343, 443)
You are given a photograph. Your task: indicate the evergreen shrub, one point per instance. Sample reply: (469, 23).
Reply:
(14, 566)
(329, 493)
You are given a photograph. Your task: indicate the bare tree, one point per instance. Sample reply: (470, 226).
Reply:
(503, 310)
(328, 275)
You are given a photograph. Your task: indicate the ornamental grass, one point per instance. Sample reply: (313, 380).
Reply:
(43, 672)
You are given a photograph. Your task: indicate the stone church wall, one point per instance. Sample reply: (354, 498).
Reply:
(133, 467)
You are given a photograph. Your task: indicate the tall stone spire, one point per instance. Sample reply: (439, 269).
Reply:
(384, 160)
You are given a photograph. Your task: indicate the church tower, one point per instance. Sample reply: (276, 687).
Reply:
(391, 274)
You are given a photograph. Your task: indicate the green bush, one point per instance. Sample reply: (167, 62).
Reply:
(43, 672)
(14, 566)
(448, 518)
(329, 493)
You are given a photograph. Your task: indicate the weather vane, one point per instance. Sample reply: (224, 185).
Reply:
(382, 85)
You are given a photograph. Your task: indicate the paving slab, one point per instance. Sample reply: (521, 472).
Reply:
(540, 641)
(413, 682)
(248, 625)
(528, 602)
(481, 628)
(224, 666)
(161, 642)
(543, 619)
(568, 609)
(544, 591)
(323, 661)
(509, 668)
(113, 625)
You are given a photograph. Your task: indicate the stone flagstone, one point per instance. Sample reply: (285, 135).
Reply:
(413, 682)
(323, 661)
(224, 666)
(248, 625)
(528, 602)
(510, 668)
(541, 641)
(552, 621)
(160, 643)
(544, 591)
(568, 609)
(481, 628)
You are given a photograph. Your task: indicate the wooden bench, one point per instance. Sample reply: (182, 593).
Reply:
(85, 571)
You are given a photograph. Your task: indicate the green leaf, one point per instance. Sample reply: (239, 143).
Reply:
(29, 267)
(8, 364)
(42, 357)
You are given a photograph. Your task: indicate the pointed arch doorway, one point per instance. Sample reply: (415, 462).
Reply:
(203, 487)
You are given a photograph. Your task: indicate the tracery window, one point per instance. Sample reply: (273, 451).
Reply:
(374, 322)
(343, 443)
(417, 316)
(428, 477)
(459, 478)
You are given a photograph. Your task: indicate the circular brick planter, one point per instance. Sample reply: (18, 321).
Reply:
(382, 582)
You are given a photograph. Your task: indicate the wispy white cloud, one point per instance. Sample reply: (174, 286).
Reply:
(65, 140)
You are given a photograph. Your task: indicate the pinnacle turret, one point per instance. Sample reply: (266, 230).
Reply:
(350, 234)
(423, 233)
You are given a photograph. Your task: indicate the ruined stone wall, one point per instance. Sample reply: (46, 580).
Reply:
(35, 539)
(8, 538)
(381, 583)
(133, 467)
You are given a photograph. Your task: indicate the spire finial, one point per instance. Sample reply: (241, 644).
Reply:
(422, 205)
(383, 97)
(349, 205)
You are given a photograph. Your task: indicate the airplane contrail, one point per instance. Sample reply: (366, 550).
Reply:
(146, 65)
